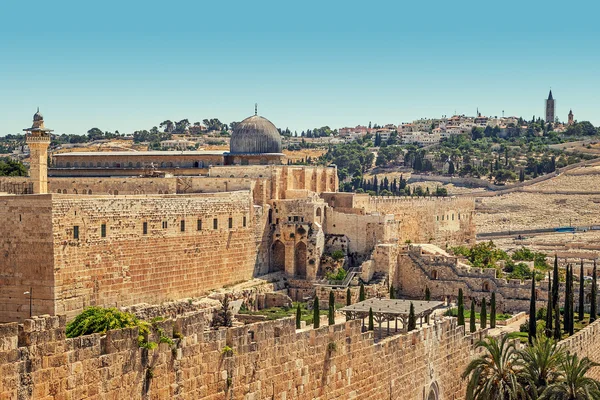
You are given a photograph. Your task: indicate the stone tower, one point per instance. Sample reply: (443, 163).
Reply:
(550, 108)
(571, 122)
(38, 140)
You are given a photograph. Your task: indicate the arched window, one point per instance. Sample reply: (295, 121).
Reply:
(434, 275)
(130, 165)
(68, 164)
(138, 164)
(486, 286)
(89, 191)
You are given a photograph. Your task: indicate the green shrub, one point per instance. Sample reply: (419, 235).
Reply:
(101, 320)
(338, 275)
(338, 255)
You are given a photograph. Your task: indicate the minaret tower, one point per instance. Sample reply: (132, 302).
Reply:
(38, 140)
(571, 122)
(550, 109)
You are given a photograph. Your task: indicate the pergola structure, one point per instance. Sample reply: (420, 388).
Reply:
(391, 310)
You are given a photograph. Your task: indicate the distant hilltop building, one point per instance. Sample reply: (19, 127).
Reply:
(550, 108)
(571, 122)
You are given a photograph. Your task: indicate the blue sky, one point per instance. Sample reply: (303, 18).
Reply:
(130, 65)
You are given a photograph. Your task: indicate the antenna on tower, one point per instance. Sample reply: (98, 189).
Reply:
(502, 113)
(255, 108)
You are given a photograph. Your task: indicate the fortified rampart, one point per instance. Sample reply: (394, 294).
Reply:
(263, 360)
(77, 251)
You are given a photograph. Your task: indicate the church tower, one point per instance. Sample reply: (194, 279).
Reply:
(550, 108)
(38, 140)
(571, 122)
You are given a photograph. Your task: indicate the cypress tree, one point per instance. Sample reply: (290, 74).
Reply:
(461, 308)
(371, 326)
(348, 297)
(555, 283)
(581, 293)
(331, 311)
(412, 321)
(483, 315)
(392, 295)
(571, 303)
(532, 324)
(566, 312)
(316, 314)
(549, 309)
(361, 292)
(557, 334)
(427, 293)
(472, 318)
(593, 295)
(493, 311)
(298, 316)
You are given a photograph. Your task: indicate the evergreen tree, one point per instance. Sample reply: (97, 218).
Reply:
(522, 175)
(361, 293)
(461, 308)
(371, 326)
(581, 293)
(348, 297)
(298, 316)
(557, 334)
(450, 168)
(549, 309)
(532, 324)
(331, 310)
(566, 311)
(593, 312)
(493, 310)
(427, 293)
(412, 321)
(316, 314)
(472, 318)
(483, 315)
(555, 282)
(392, 291)
(571, 302)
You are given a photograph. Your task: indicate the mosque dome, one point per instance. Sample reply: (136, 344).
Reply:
(255, 135)
(38, 116)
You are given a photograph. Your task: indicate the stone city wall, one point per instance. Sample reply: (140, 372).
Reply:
(267, 360)
(93, 250)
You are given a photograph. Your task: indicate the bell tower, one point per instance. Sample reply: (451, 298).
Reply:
(38, 140)
(571, 122)
(550, 108)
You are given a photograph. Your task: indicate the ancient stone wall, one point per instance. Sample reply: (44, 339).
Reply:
(267, 360)
(26, 252)
(153, 249)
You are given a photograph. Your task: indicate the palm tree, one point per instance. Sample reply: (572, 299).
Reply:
(495, 375)
(541, 363)
(574, 385)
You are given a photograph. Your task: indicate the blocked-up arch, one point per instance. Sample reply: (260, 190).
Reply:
(433, 393)
(300, 258)
(277, 257)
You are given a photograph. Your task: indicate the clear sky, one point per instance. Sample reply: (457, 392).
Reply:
(130, 65)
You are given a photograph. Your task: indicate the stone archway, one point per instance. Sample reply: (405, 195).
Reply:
(434, 392)
(277, 257)
(300, 258)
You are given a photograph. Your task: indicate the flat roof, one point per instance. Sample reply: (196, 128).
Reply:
(393, 306)
(143, 153)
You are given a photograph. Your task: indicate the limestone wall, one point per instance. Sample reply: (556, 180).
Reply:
(25, 254)
(269, 360)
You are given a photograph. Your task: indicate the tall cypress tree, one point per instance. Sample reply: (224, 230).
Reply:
(461, 308)
(581, 293)
(427, 293)
(371, 324)
(532, 324)
(567, 311)
(316, 314)
(493, 311)
(392, 295)
(412, 321)
(298, 316)
(361, 292)
(472, 327)
(348, 297)
(593, 295)
(555, 283)
(571, 302)
(331, 310)
(557, 335)
(549, 309)
(483, 315)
